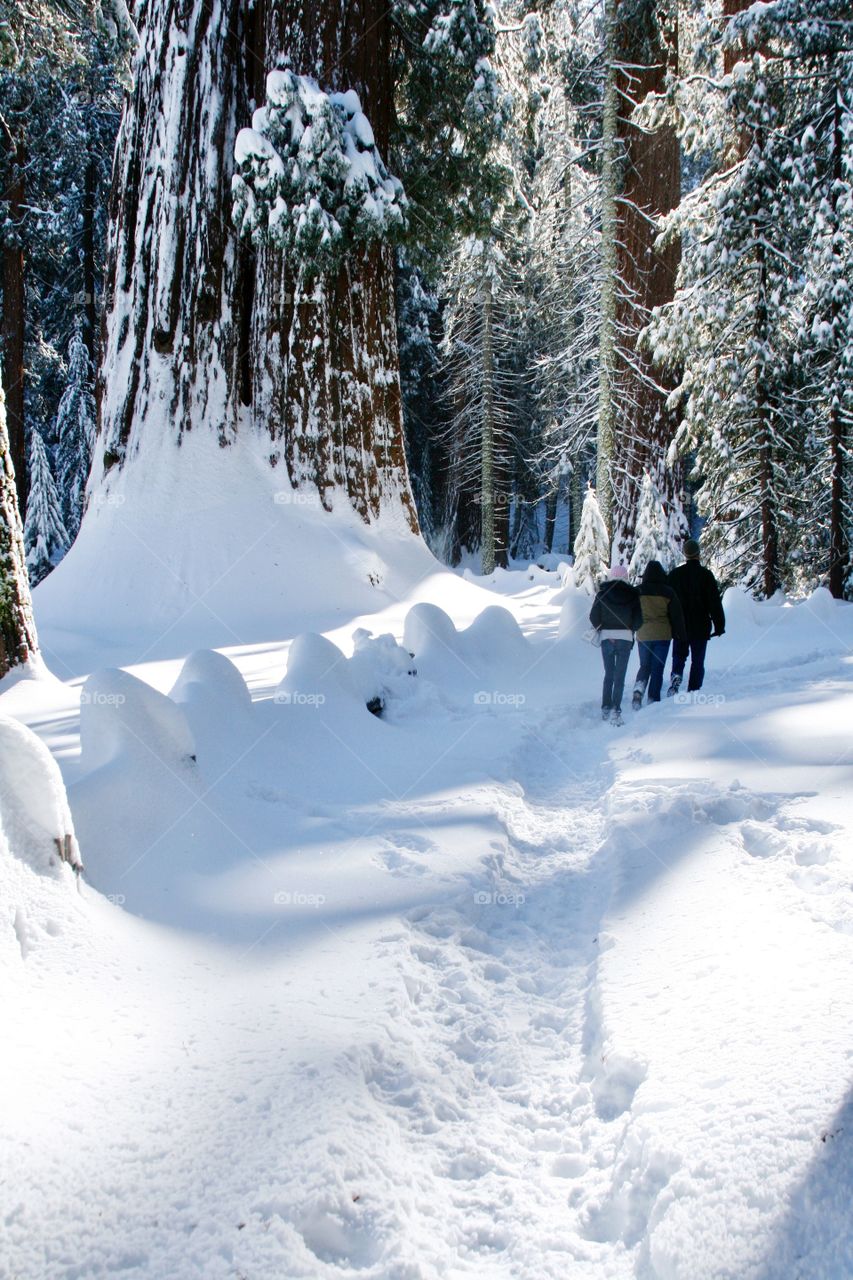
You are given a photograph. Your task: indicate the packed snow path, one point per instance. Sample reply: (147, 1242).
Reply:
(559, 1000)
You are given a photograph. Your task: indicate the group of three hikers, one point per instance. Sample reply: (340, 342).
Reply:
(683, 607)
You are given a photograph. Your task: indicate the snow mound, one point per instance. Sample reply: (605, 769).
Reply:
(123, 716)
(574, 614)
(215, 700)
(35, 820)
(317, 676)
(495, 638)
(207, 674)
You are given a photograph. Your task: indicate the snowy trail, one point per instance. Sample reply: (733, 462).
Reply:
(502, 1005)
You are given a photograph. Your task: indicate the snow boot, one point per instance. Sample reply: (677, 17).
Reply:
(605, 713)
(616, 717)
(637, 699)
(674, 686)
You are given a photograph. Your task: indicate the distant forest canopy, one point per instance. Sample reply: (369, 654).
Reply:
(465, 259)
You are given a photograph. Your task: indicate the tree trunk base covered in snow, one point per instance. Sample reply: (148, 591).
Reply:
(17, 629)
(205, 333)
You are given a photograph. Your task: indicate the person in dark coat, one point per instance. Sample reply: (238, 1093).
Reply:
(616, 615)
(662, 621)
(699, 596)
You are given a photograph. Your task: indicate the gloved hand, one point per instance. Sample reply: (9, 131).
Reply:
(718, 633)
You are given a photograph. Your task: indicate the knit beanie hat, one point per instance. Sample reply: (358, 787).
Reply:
(691, 549)
(619, 571)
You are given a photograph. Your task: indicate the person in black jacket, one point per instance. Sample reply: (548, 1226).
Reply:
(699, 595)
(616, 615)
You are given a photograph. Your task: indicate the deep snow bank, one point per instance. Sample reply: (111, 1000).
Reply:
(198, 541)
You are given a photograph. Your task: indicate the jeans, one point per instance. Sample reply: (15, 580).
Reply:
(615, 654)
(652, 662)
(696, 647)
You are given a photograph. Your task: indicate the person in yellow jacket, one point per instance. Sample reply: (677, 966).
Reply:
(663, 619)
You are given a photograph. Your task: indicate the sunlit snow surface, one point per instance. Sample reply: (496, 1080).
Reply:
(484, 987)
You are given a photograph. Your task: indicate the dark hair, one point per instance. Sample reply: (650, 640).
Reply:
(654, 573)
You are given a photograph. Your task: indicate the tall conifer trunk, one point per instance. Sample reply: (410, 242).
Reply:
(609, 280)
(647, 45)
(838, 549)
(17, 630)
(14, 309)
(200, 329)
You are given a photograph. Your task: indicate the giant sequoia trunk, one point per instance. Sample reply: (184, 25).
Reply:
(203, 333)
(647, 45)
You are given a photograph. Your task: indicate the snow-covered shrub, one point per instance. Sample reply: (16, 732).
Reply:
(317, 676)
(310, 178)
(494, 638)
(381, 668)
(122, 717)
(35, 820)
(216, 702)
(209, 675)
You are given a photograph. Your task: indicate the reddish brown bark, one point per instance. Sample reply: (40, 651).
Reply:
(651, 187)
(326, 376)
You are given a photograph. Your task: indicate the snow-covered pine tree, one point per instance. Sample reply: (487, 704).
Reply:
(651, 532)
(75, 433)
(18, 642)
(592, 546)
(562, 272)
(45, 536)
(730, 327)
(819, 39)
(59, 88)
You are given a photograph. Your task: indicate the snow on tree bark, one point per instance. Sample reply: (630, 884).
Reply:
(325, 361)
(609, 267)
(18, 640)
(204, 331)
(172, 325)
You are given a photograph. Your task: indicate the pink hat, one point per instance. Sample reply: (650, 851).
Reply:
(619, 571)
